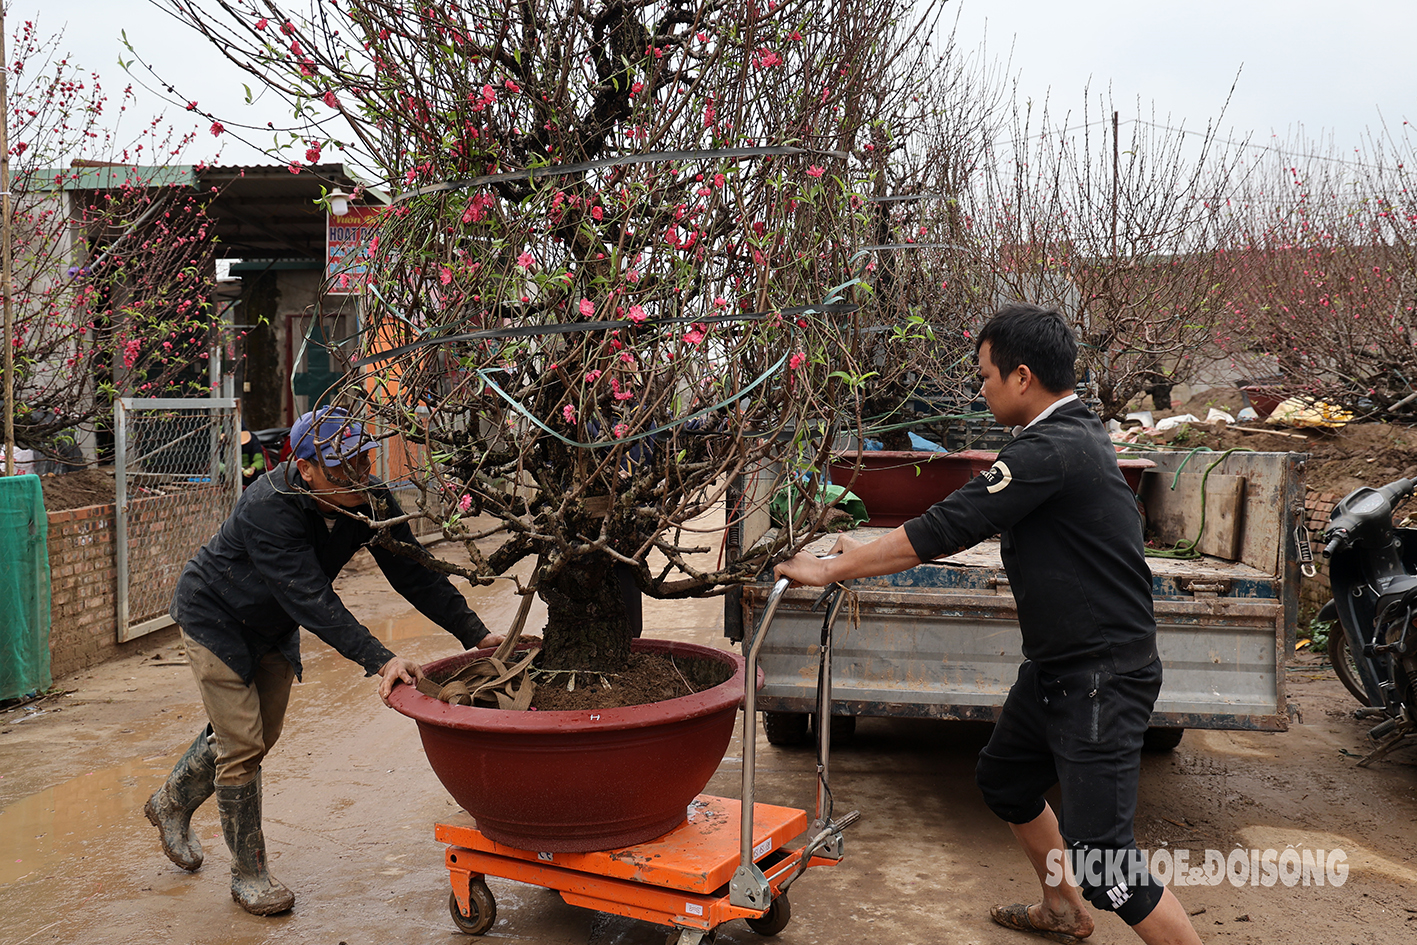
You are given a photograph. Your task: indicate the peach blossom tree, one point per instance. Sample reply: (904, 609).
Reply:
(622, 266)
(112, 262)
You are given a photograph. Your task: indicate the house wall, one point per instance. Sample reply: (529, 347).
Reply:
(270, 303)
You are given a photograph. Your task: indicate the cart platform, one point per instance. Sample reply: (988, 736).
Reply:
(680, 879)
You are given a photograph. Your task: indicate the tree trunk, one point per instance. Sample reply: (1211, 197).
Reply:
(586, 626)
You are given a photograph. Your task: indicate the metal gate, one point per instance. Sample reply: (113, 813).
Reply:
(177, 472)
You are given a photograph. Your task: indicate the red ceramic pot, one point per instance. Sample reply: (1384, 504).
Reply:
(1265, 399)
(898, 485)
(571, 782)
(1132, 470)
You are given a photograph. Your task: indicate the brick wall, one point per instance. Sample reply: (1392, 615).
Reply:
(164, 532)
(83, 627)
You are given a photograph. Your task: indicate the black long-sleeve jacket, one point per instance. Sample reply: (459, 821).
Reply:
(1071, 539)
(269, 570)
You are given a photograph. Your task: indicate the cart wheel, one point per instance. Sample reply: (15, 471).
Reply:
(691, 937)
(785, 729)
(484, 908)
(775, 919)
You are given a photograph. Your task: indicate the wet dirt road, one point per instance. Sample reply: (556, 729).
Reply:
(350, 805)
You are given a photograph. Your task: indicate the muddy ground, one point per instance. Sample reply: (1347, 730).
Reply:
(351, 802)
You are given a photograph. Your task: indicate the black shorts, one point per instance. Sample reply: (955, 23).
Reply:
(1081, 729)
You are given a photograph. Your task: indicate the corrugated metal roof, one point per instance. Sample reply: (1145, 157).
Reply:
(262, 211)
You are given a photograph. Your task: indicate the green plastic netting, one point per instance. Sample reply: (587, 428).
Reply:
(24, 588)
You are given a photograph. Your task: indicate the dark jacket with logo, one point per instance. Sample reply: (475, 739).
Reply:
(1071, 540)
(270, 568)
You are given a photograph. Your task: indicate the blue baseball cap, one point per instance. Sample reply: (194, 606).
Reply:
(330, 433)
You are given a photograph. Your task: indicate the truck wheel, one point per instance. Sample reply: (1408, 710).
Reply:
(785, 729)
(843, 728)
(1160, 738)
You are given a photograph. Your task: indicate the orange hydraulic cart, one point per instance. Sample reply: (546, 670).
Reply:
(701, 874)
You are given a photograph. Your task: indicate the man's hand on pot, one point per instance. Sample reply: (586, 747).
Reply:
(395, 671)
(491, 640)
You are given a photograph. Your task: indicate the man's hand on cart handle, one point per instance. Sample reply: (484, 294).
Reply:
(849, 559)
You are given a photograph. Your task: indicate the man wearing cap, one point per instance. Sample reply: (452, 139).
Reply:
(240, 603)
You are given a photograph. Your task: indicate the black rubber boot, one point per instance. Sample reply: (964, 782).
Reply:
(252, 885)
(171, 806)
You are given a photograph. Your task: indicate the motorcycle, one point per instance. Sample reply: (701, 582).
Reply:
(1373, 574)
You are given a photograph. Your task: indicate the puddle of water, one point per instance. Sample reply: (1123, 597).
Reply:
(83, 816)
(403, 627)
(1234, 743)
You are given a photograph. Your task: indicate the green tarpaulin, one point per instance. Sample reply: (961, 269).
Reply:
(24, 588)
(787, 497)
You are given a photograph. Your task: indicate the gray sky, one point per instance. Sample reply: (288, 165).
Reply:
(1327, 68)
(1323, 68)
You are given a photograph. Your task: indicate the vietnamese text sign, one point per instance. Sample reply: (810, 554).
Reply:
(347, 246)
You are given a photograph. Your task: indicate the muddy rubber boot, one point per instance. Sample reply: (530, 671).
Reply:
(252, 885)
(171, 806)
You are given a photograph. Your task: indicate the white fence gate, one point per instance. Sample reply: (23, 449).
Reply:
(177, 471)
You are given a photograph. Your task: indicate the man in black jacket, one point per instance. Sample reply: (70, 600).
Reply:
(1072, 547)
(240, 603)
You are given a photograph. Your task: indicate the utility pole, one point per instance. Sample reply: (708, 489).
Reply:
(5, 249)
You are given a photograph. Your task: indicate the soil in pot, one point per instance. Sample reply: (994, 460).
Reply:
(649, 677)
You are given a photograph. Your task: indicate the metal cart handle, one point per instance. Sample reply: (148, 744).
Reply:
(749, 879)
(750, 718)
